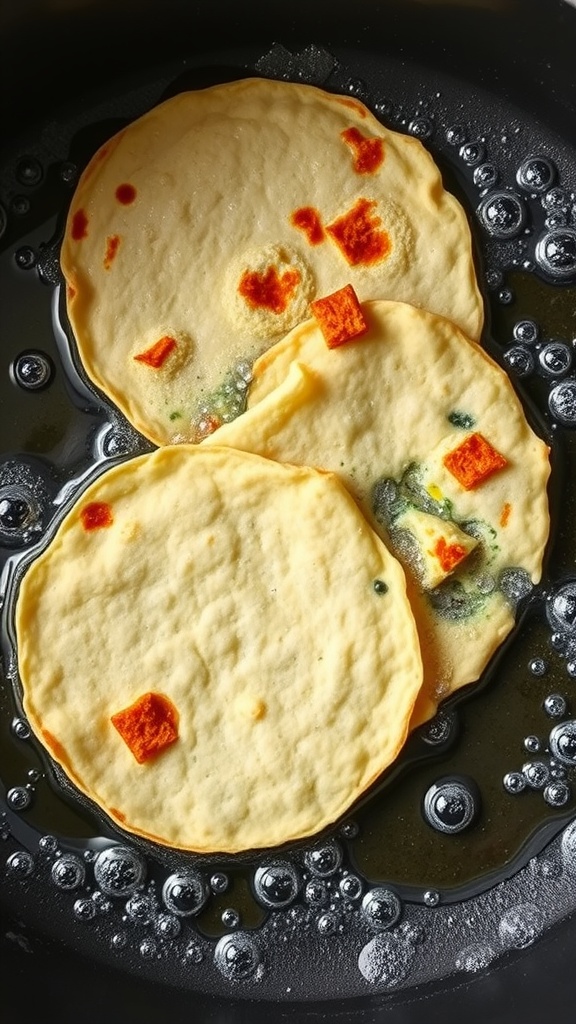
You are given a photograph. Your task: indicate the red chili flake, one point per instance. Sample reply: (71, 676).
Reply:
(505, 513)
(359, 236)
(79, 225)
(70, 292)
(158, 353)
(339, 316)
(473, 461)
(148, 726)
(268, 290)
(449, 555)
(96, 515)
(112, 246)
(368, 152)
(54, 745)
(308, 220)
(126, 194)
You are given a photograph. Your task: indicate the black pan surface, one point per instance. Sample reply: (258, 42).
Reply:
(486, 86)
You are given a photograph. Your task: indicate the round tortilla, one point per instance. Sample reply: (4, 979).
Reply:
(256, 599)
(199, 234)
(383, 411)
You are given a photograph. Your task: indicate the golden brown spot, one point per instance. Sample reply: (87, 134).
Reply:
(96, 515)
(269, 290)
(112, 246)
(368, 152)
(359, 236)
(307, 219)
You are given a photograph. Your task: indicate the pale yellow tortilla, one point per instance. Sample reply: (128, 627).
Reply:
(217, 175)
(380, 404)
(244, 592)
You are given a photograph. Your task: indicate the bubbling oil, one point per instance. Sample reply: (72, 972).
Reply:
(403, 888)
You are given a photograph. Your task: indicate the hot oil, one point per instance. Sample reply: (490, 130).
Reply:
(451, 818)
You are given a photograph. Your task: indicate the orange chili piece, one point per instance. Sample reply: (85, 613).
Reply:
(158, 353)
(473, 461)
(339, 316)
(449, 555)
(148, 726)
(308, 220)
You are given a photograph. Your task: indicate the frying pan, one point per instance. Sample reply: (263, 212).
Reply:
(72, 71)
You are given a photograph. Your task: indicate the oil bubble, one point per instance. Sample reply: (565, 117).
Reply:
(556, 199)
(556, 253)
(185, 893)
(168, 926)
(456, 135)
(29, 171)
(84, 910)
(21, 729)
(25, 257)
(386, 960)
(563, 742)
(148, 948)
(555, 359)
(237, 957)
(230, 918)
(20, 864)
(502, 214)
(324, 860)
(557, 794)
(515, 584)
(451, 805)
(349, 830)
(440, 730)
(351, 887)
(276, 885)
(119, 870)
(431, 898)
(475, 957)
(471, 153)
(381, 908)
(68, 872)
(526, 332)
(520, 926)
(421, 128)
(536, 174)
(19, 798)
(514, 782)
(139, 908)
(562, 402)
(48, 845)
(538, 667)
(20, 206)
(327, 924)
(485, 176)
(536, 773)
(68, 173)
(519, 360)
(316, 892)
(532, 744)
(555, 705)
(32, 370)
(561, 607)
(219, 882)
